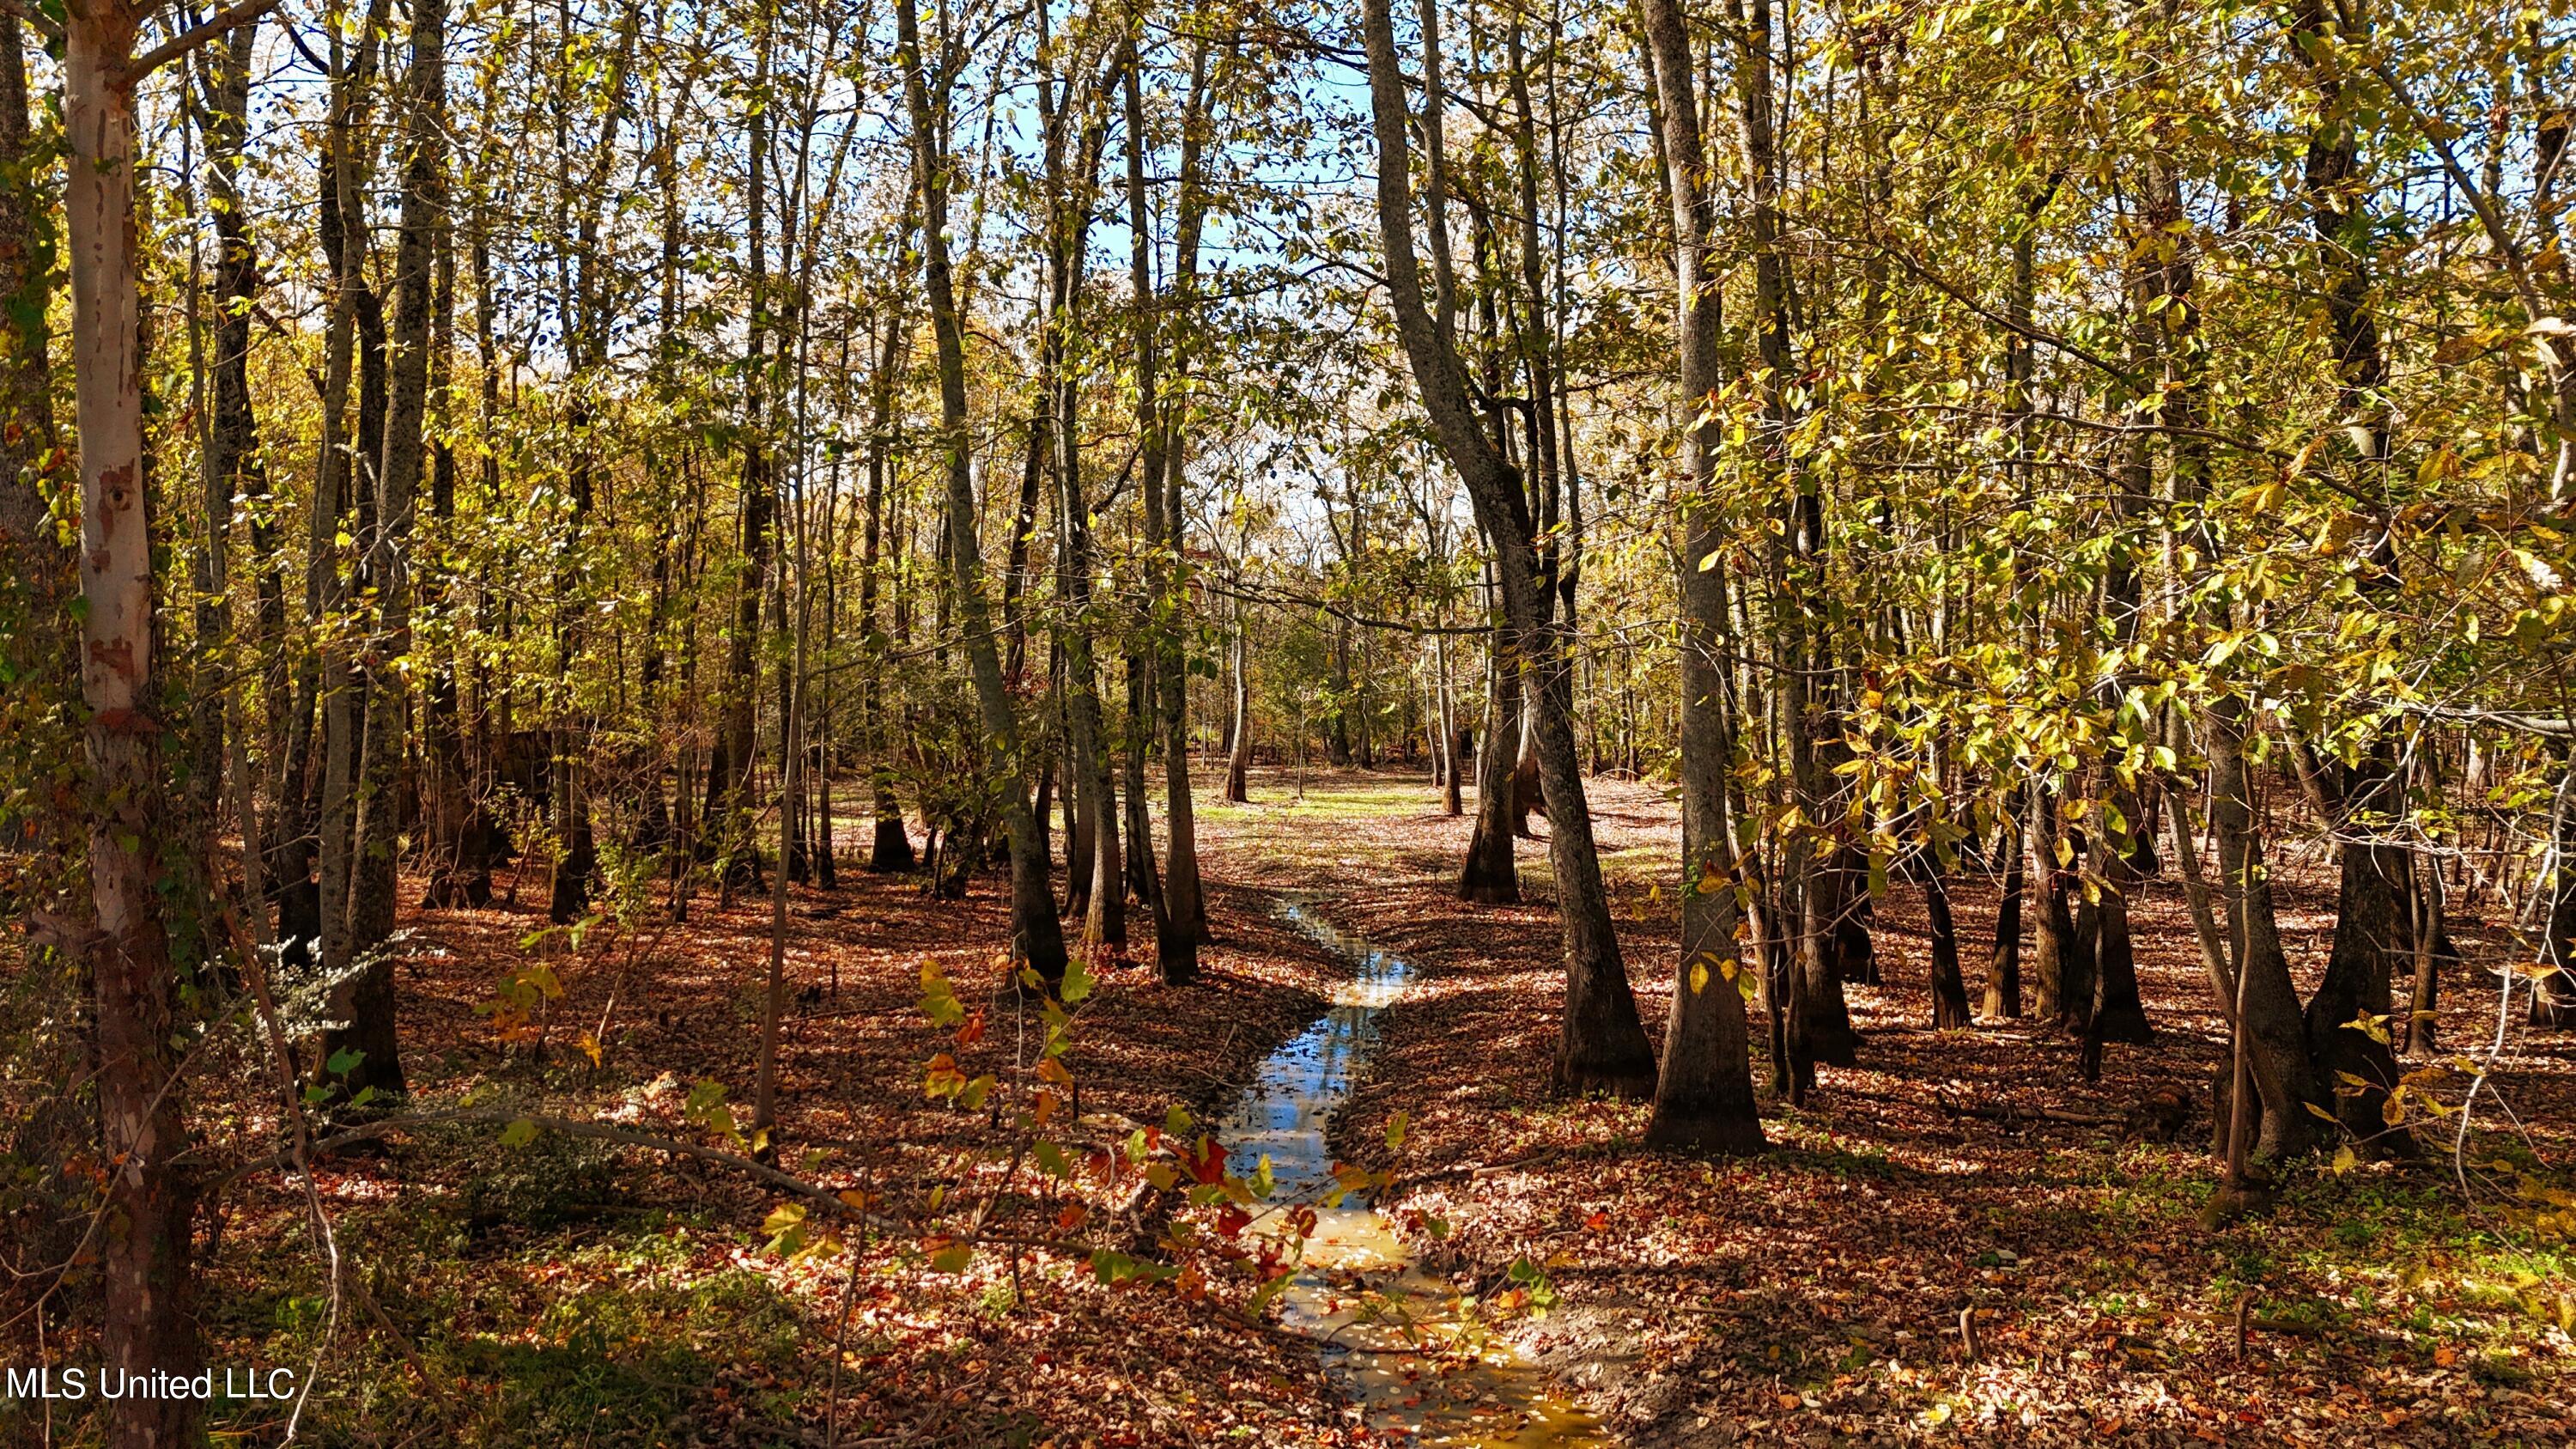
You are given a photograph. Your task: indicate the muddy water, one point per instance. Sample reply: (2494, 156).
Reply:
(1392, 1334)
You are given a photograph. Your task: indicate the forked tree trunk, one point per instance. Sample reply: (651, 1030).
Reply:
(2274, 1032)
(2348, 1030)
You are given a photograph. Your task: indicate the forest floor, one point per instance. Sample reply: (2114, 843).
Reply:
(558, 1291)
(1815, 1294)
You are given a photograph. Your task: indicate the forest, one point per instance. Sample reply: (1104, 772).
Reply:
(1137, 722)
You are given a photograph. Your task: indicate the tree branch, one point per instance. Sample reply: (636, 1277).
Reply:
(34, 17)
(223, 22)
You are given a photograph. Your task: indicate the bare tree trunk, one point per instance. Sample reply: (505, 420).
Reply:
(728, 825)
(1490, 874)
(2003, 966)
(344, 486)
(1037, 940)
(1180, 915)
(890, 850)
(371, 1029)
(1238, 754)
(1451, 802)
(1602, 1043)
(148, 1324)
(1704, 1089)
(2553, 995)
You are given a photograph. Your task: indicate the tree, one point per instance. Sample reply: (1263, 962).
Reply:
(1037, 942)
(147, 1264)
(1601, 1042)
(1704, 1092)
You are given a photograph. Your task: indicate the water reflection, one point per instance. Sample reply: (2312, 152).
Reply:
(1394, 1334)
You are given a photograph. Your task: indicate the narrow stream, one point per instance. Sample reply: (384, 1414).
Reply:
(1390, 1332)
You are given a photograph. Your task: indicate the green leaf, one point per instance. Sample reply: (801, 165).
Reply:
(344, 1061)
(1267, 1292)
(1395, 1130)
(519, 1133)
(953, 1258)
(1077, 981)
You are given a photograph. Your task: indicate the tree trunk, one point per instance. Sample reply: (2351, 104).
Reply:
(2274, 1031)
(2118, 1011)
(2003, 966)
(1037, 941)
(2553, 994)
(1602, 1043)
(26, 393)
(1490, 875)
(1949, 988)
(890, 850)
(370, 1009)
(148, 1324)
(1180, 917)
(343, 487)
(1451, 803)
(1704, 1088)
(2432, 941)
(2053, 935)
(1144, 883)
(2374, 925)
(727, 830)
(37, 724)
(1238, 754)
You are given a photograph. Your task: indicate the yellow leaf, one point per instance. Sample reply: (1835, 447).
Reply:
(2344, 1160)
(1698, 977)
